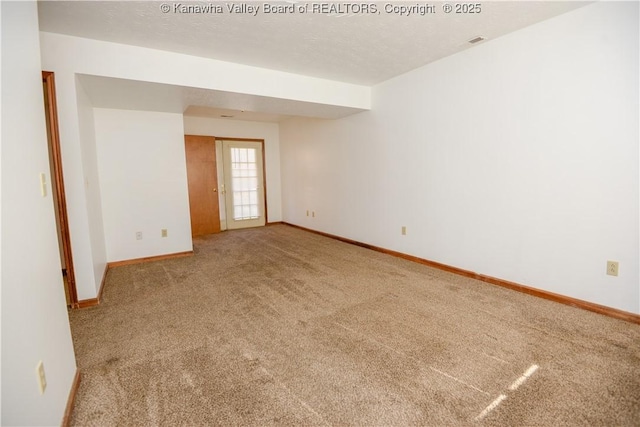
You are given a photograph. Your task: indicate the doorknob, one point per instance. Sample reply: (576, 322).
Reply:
(215, 190)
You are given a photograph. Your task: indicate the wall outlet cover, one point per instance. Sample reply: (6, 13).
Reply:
(612, 268)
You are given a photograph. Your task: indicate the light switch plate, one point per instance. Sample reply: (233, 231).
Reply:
(43, 184)
(42, 379)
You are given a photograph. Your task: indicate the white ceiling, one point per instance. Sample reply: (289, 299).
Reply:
(107, 92)
(360, 49)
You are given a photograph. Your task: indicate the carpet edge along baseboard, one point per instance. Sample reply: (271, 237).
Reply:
(71, 400)
(91, 302)
(562, 299)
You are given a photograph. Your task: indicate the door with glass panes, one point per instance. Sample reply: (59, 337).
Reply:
(244, 184)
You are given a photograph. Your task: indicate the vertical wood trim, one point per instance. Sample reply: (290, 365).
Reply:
(71, 400)
(49, 81)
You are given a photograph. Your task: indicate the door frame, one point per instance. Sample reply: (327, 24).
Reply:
(48, 79)
(264, 169)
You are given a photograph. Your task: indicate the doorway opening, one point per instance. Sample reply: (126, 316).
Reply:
(57, 188)
(226, 179)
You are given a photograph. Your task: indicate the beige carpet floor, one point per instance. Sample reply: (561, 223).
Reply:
(278, 326)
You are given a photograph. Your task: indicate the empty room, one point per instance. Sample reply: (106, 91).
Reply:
(320, 213)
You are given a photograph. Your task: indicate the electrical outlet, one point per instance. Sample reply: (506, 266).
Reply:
(163, 232)
(138, 235)
(612, 268)
(313, 214)
(42, 379)
(404, 230)
(307, 212)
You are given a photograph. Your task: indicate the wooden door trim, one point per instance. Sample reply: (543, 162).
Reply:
(264, 168)
(48, 79)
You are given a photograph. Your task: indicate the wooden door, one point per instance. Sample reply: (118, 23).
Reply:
(202, 178)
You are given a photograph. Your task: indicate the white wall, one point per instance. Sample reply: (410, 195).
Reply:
(143, 179)
(517, 159)
(1, 220)
(245, 129)
(108, 59)
(91, 186)
(69, 56)
(77, 145)
(35, 325)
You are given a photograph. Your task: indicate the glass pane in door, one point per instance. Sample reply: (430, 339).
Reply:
(244, 183)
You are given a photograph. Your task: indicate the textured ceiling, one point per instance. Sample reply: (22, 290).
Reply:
(354, 48)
